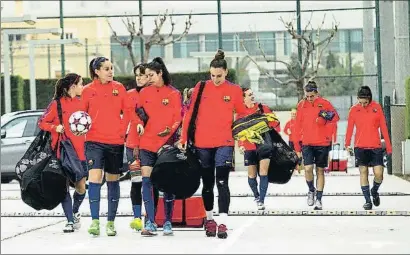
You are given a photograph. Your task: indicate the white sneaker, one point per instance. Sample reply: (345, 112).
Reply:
(318, 205)
(68, 228)
(311, 198)
(261, 206)
(77, 218)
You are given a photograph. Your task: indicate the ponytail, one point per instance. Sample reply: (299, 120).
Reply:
(63, 85)
(158, 65)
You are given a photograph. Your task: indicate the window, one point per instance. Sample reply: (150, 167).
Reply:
(266, 39)
(356, 40)
(188, 44)
(287, 44)
(22, 127)
(16, 37)
(68, 35)
(211, 42)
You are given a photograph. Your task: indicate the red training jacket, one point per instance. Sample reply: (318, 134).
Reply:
(105, 103)
(49, 121)
(367, 120)
(310, 128)
(215, 115)
(163, 106)
(133, 138)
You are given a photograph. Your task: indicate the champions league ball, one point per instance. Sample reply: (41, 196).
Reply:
(80, 122)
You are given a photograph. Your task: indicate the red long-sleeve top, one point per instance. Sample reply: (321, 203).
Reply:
(273, 124)
(215, 115)
(133, 138)
(105, 103)
(310, 128)
(49, 121)
(163, 105)
(289, 129)
(367, 120)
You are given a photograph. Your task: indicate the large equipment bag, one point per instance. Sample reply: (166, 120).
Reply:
(43, 182)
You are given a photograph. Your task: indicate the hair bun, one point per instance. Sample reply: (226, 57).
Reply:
(159, 60)
(220, 54)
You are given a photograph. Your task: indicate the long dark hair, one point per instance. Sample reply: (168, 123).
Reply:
(219, 60)
(63, 85)
(96, 63)
(157, 65)
(141, 67)
(365, 92)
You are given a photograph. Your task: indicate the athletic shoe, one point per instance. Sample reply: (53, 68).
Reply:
(77, 219)
(167, 229)
(376, 198)
(136, 224)
(68, 228)
(368, 206)
(94, 228)
(110, 229)
(149, 229)
(222, 231)
(261, 206)
(318, 205)
(210, 228)
(311, 198)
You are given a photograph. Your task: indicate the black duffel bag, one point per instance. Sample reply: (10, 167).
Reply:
(176, 172)
(283, 159)
(43, 182)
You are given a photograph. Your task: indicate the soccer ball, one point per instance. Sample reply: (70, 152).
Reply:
(80, 122)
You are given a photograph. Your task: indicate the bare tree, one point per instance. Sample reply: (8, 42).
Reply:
(156, 38)
(298, 73)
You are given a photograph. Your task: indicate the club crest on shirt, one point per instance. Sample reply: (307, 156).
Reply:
(374, 110)
(165, 101)
(227, 98)
(115, 92)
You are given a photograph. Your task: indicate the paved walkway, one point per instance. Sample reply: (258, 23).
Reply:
(247, 234)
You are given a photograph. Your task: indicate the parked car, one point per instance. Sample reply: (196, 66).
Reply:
(18, 130)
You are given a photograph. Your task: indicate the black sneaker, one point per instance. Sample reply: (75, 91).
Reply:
(368, 206)
(376, 198)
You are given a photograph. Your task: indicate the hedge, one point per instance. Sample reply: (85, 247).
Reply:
(45, 87)
(18, 99)
(407, 118)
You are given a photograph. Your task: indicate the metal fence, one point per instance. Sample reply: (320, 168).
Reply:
(350, 60)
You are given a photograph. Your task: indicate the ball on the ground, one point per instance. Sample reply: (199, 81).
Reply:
(80, 122)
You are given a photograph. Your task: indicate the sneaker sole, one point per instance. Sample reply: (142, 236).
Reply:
(94, 233)
(114, 234)
(222, 235)
(68, 231)
(317, 208)
(148, 234)
(210, 234)
(168, 234)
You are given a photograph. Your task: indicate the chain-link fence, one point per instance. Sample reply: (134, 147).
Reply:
(252, 36)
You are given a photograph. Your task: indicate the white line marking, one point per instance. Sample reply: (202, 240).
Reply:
(232, 238)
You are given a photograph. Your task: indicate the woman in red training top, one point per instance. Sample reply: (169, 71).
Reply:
(162, 104)
(68, 90)
(213, 139)
(367, 116)
(105, 100)
(313, 116)
(132, 147)
(251, 157)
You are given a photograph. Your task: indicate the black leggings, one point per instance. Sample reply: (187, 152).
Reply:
(136, 195)
(208, 182)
